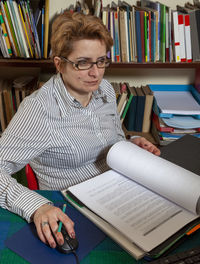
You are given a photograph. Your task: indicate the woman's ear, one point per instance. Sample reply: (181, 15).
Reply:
(57, 62)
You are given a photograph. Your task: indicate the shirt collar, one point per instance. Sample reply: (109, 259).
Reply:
(71, 101)
(101, 93)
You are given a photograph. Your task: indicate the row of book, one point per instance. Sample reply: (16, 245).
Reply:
(152, 32)
(25, 25)
(149, 31)
(12, 92)
(19, 35)
(146, 32)
(134, 105)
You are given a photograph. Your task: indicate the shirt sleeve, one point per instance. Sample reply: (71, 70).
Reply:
(26, 137)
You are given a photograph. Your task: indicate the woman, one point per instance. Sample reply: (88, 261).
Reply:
(64, 129)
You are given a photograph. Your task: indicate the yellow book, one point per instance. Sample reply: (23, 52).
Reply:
(46, 28)
(24, 26)
(5, 34)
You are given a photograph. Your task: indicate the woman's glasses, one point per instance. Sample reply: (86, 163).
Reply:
(86, 65)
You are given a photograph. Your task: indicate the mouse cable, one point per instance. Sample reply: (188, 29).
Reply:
(76, 256)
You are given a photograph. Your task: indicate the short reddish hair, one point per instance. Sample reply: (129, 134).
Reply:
(69, 27)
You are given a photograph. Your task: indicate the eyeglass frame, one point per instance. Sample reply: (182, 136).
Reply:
(75, 65)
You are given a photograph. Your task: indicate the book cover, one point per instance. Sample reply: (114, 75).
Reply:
(147, 109)
(16, 26)
(5, 18)
(140, 109)
(128, 9)
(133, 35)
(5, 34)
(138, 36)
(121, 99)
(46, 29)
(162, 32)
(129, 121)
(3, 46)
(176, 37)
(129, 100)
(10, 22)
(156, 6)
(123, 36)
(182, 37)
(187, 30)
(160, 125)
(194, 14)
(117, 36)
(20, 29)
(142, 34)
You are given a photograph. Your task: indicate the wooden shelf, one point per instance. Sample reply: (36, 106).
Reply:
(46, 65)
(156, 65)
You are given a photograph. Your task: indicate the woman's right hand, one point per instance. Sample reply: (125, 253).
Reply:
(46, 219)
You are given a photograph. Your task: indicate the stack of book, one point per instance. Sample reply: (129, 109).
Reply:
(12, 92)
(134, 105)
(176, 112)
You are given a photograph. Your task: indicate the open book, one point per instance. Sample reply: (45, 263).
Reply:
(142, 201)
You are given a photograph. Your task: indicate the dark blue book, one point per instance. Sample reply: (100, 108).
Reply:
(129, 121)
(138, 36)
(140, 109)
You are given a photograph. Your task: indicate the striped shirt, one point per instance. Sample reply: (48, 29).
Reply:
(63, 142)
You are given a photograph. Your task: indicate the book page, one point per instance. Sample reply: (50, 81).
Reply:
(142, 216)
(111, 231)
(163, 177)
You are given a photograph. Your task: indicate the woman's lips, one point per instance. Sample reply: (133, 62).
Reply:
(92, 83)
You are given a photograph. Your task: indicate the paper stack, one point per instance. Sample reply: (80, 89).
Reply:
(176, 112)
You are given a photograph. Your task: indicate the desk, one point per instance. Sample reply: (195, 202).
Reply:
(107, 252)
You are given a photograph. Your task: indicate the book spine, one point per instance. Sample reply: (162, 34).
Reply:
(42, 37)
(138, 36)
(25, 31)
(176, 40)
(46, 32)
(16, 27)
(188, 38)
(12, 29)
(5, 35)
(126, 108)
(117, 47)
(182, 38)
(8, 28)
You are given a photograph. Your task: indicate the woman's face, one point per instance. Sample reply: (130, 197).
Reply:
(84, 82)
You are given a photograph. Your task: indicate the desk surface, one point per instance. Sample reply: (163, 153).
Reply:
(107, 252)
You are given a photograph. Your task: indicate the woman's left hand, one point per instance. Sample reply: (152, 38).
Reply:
(145, 144)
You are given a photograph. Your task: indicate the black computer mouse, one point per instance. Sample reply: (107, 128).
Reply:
(70, 244)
